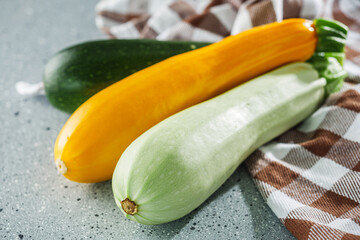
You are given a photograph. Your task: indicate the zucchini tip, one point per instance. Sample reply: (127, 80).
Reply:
(61, 167)
(129, 206)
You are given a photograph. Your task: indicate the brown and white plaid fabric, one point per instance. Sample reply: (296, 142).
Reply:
(309, 176)
(197, 20)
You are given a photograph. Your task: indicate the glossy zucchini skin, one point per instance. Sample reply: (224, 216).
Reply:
(176, 165)
(76, 73)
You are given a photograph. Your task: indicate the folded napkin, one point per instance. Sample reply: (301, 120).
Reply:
(310, 175)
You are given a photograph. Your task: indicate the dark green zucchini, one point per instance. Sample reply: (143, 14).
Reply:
(76, 73)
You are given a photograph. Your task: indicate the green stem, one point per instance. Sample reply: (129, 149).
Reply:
(329, 55)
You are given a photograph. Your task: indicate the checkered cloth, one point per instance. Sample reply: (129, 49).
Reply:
(309, 176)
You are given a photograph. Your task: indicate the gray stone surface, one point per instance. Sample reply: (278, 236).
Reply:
(35, 201)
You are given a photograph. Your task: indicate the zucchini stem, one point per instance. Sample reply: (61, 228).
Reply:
(129, 206)
(24, 88)
(329, 54)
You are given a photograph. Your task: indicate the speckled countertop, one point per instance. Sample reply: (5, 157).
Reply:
(35, 201)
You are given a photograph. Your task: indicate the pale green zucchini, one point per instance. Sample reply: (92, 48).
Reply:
(176, 165)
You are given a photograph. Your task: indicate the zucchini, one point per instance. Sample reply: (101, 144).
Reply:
(76, 73)
(176, 165)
